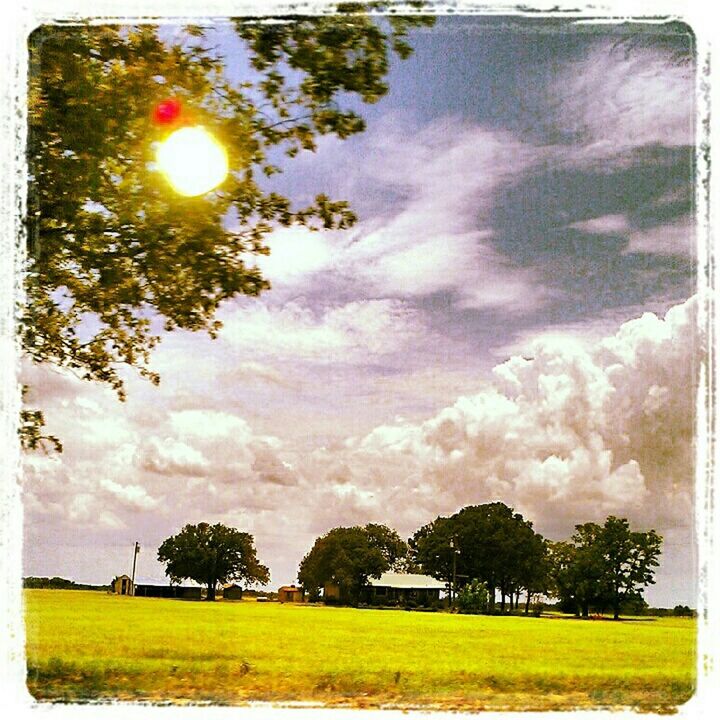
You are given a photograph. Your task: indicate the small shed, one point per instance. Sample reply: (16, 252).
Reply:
(232, 592)
(291, 593)
(122, 585)
(331, 592)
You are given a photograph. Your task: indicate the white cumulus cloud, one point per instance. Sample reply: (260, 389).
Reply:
(574, 433)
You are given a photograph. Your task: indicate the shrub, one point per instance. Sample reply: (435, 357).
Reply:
(682, 611)
(473, 598)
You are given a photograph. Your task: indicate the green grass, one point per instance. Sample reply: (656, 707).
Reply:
(86, 645)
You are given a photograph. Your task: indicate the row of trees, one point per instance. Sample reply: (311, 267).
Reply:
(481, 552)
(600, 567)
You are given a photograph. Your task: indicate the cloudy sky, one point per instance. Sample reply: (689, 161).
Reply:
(513, 319)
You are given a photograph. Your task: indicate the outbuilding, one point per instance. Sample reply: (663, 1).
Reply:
(232, 592)
(331, 593)
(291, 593)
(122, 585)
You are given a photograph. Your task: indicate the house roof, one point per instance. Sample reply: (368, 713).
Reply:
(290, 587)
(163, 580)
(407, 581)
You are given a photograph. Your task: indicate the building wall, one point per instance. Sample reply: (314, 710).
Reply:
(169, 591)
(189, 593)
(123, 586)
(402, 596)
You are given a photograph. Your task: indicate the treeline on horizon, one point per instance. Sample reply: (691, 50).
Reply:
(485, 551)
(481, 552)
(58, 583)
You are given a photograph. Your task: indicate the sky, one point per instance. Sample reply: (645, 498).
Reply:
(513, 318)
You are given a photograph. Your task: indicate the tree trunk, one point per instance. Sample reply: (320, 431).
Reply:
(502, 601)
(211, 591)
(517, 599)
(527, 603)
(586, 609)
(491, 596)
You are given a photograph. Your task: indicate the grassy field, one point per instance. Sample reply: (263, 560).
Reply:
(90, 645)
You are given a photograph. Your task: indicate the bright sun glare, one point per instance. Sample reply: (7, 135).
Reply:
(193, 161)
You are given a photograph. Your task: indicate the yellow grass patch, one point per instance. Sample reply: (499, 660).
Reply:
(91, 645)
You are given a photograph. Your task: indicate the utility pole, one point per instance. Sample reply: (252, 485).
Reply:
(454, 579)
(135, 554)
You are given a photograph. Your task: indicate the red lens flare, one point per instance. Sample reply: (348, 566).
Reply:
(167, 111)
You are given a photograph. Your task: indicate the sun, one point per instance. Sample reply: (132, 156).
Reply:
(193, 161)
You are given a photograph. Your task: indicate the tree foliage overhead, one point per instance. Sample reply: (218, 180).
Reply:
(114, 254)
(212, 554)
(349, 556)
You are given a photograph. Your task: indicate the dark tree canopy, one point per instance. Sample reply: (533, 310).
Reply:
(492, 543)
(114, 254)
(349, 556)
(532, 573)
(604, 566)
(630, 560)
(577, 571)
(212, 554)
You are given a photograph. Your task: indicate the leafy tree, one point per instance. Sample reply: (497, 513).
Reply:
(577, 571)
(212, 554)
(630, 560)
(489, 542)
(348, 557)
(431, 549)
(533, 572)
(388, 543)
(634, 604)
(604, 565)
(114, 254)
(683, 611)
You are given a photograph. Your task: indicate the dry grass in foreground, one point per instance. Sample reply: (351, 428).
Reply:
(87, 646)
